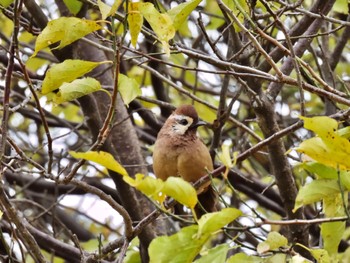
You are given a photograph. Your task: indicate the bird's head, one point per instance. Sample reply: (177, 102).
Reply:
(184, 120)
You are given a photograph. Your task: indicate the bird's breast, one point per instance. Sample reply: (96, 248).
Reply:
(190, 159)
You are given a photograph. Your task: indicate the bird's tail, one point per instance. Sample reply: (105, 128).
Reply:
(207, 202)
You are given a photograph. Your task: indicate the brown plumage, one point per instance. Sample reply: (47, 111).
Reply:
(179, 152)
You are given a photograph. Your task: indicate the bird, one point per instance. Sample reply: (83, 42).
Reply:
(178, 151)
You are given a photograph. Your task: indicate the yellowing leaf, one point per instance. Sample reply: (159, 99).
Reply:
(274, 241)
(66, 71)
(180, 13)
(212, 222)
(76, 89)
(297, 259)
(178, 248)
(321, 125)
(149, 186)
(161, 24)
(107, 10)
(181, 191)
(6, 3)
(329, 148)
(244, 258)
(334, 154)
(224, 155)
(129, 88)
(341, 6)
(66, 30)
(102, 158)
(321, 255)
(316, 191)
(74, 6)
(135, 21)
(332, 233)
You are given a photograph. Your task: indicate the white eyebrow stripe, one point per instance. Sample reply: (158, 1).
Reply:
(179, 117)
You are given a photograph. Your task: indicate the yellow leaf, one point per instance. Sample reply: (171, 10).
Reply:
(107, 10)
(149, 186)
(329, 148)
(321, 125)
(66, 30)
(102, 158)
(224, 155)
(76, 89)
(135, 21)
(181, 191)
(66, 71)
(161, 24)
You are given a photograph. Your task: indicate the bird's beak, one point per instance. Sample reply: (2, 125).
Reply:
(197, 124)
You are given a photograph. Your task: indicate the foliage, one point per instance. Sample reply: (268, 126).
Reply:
(86, 85)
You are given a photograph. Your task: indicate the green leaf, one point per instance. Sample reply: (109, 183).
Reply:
(240, 8)
(76, 89)
(66, 30)
(316, 191)
(66, 71)
(298, 259)
(161, 24)
(135, 21)
(344, 132)
(332, 232)
(180, 13)
(73, 6)
(216, 254)
(322, 171)
(133, 253)
(102, 158)
(345, 257)
(244, 258)
(107, 10)
(5, 3)
(327, 172)
(181, 191)
(274, 241)
(181, 247)
(129, 88)
(341, 6)
(132, 256)
(321, 255)
(212, 222)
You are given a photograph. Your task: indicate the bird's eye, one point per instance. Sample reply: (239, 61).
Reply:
(183, 122)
